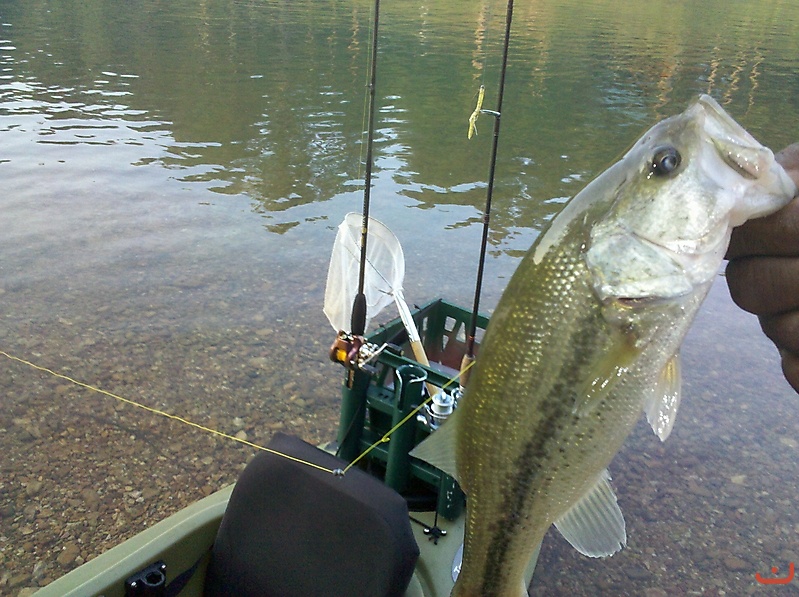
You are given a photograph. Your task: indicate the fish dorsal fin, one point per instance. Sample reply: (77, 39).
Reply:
(439, 448)
(661, 407)
(595, 525)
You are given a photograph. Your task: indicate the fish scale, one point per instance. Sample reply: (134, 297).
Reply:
(586, 337)
(555, 286)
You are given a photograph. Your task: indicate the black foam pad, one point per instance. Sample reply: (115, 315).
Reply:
(294, 531)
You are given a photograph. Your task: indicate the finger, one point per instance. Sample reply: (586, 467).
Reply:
(790, 367)
(788, 158)
(777, 234)
(783, 330)
(764, 285)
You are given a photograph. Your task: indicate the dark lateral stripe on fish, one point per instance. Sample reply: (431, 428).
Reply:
(528, 464)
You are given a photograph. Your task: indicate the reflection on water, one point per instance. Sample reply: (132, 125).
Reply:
(267, 99)
(173, 173)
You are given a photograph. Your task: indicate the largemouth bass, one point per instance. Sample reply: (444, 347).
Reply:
(586, 337)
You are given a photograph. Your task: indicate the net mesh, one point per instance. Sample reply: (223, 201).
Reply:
(384, 272)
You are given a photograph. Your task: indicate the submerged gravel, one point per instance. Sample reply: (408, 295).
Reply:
(80, 472)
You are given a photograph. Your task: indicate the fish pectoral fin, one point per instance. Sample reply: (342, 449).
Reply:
(661, 407)
(439, 449)
(602, 378)
(595, 525)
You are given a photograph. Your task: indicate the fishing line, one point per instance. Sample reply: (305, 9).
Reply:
(483, 41)
(470, 337)
(387, 435)
(156, 411)
(184, 421)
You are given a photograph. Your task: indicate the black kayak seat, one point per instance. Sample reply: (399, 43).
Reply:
(292, 530)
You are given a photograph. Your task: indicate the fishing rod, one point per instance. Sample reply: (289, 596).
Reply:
(358, 320)
(386, 267)
(472, 331)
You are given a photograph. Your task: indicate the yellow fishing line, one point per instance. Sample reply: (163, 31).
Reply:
(411, 414)
(180, 419)
(164, 414)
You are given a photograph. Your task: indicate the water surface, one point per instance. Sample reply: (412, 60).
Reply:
(172, 177)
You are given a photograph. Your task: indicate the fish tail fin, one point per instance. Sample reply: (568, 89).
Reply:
(439, 448)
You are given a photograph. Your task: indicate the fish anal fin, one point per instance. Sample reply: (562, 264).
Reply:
(595, 525)
(439, 448)
(662, 404)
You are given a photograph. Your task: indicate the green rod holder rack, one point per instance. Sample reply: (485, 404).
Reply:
(353, 415)
(407, 396)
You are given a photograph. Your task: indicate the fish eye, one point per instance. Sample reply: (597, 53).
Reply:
(665, 161)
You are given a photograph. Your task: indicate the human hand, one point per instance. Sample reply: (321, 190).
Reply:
(763, 272)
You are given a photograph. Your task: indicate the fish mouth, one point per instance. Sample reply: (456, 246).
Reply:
(749, 162)
(721, 125)
(734, 144)
(745, 156)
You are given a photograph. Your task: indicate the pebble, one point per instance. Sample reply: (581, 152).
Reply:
(26, 430)
(91, 498)
(789, 555)
(17, 580)
(205, 373)
(69, 554)
(736, 564)
(638, 572)
(699, 490)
